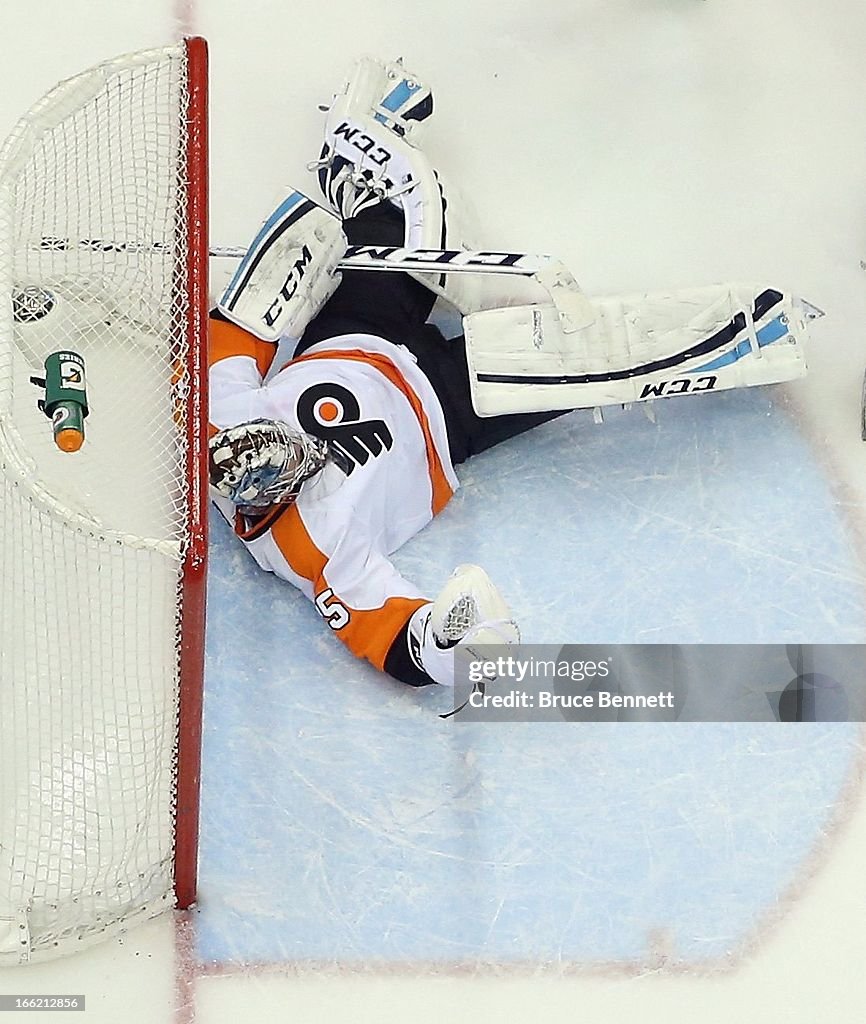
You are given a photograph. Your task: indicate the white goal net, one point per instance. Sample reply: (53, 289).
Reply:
(103, 253)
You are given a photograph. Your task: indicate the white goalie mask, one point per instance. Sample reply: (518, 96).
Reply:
(263, 463)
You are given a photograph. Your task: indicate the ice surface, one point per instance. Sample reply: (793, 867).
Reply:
(650, 144)
(385, 833)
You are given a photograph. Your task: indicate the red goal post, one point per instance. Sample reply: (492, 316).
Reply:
(103, 253)
(192, 630)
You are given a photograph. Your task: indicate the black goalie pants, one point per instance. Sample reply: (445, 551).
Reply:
(395, 306)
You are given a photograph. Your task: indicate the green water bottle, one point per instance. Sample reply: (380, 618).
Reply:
(66, 398)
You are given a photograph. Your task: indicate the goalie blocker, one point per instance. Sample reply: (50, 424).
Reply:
(289, 271)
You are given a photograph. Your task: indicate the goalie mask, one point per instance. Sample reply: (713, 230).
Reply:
(263, 463)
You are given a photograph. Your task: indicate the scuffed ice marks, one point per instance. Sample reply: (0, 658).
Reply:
(712, 525)
(374, 832)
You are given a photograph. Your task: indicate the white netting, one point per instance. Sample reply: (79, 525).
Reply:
(92, 225)
(459, 619)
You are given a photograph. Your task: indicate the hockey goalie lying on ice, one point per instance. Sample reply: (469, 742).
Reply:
(329, 463)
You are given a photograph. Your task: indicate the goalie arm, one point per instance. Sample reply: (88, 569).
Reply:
(381, 616)
(469, 610)
(283, 280)
(378, 614)
(238, 363)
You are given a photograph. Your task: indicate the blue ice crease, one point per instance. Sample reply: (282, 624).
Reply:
(344, 821)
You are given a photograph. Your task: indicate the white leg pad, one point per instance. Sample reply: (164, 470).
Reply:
(371, 155)
(638, 348)
(288, 272)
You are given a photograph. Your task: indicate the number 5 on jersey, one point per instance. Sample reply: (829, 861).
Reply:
(332, 610)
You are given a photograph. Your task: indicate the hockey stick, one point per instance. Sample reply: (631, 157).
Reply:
(358, 257)
(443, 261)
(574, 309)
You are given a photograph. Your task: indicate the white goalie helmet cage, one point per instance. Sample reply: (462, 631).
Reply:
(264, 462)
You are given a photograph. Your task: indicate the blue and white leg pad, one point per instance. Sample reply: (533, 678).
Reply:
(288, 272)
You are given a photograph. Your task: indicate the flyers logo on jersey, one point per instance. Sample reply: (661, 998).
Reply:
(333, 413)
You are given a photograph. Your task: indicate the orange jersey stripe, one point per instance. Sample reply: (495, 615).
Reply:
(227, 339)
(369, 632)
(442, 490)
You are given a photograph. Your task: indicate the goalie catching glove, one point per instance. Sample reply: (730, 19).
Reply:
(469, 612)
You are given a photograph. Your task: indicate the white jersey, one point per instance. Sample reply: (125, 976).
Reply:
(369, 398)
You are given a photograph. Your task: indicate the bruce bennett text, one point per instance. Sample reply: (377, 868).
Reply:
(547, 699)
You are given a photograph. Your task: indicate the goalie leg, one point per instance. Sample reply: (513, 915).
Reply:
(288, 272)
(370, 155)
(375, 93)
(393, 306)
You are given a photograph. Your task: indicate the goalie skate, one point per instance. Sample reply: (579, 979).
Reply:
(386, 91)
(381, 107)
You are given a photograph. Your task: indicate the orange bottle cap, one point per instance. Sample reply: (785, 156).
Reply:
(69, 440)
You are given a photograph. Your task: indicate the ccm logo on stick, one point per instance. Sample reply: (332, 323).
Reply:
(451, 257)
